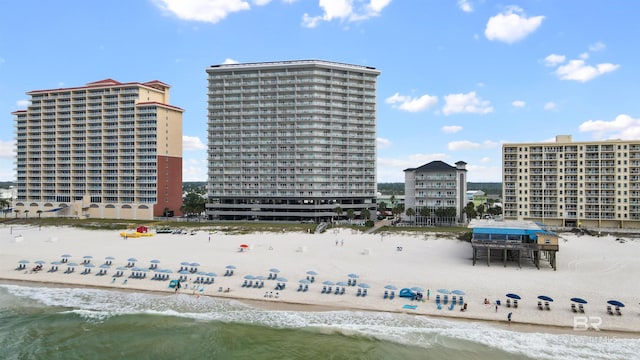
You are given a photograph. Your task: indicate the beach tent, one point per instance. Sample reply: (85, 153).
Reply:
(407, 293)
(142, 229)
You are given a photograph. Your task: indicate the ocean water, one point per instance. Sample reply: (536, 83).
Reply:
(81, 323)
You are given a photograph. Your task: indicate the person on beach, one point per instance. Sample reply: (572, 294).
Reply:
(428, 293)
(496, 307)
(509, 318)
(342, 242)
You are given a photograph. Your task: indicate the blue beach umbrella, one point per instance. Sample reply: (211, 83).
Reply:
(40, 262)
(304, 281)
(167, 271)
(364, 285)
(458, 292)
(615, 303)
(87, 257)
(342, 283)
(249, 277)
(281, 279)
(89, 265)
(274, 270)
(104, 266)
(184, 272)
(513, 296)
(261, 277)
(231, 267)
(109, 258)
(444, 291)
(391, 287)
(72, 264)
(311, 272)
(545, 298)
(212, 274)
(56, 263)
(24, 261)
(132, 259)
(155, 261)
(353, 276)
(417, 289)
(195, 264)
(328, 282)
(66, 256)
(122, 268)
(185, 263)
(579, 300)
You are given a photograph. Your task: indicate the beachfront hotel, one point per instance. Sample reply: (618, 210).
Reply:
(434, 186)
(291, 140)
(593, 184)
(104, 150)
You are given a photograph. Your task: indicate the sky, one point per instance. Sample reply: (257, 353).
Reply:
(458, 77)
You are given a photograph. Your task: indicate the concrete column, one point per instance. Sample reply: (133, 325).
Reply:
(488, 256)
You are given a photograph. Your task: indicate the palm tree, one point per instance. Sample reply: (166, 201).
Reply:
(338, 211)
(39, 212)
(410, 213)
(365, 214)
(26, 213)
(351, 214)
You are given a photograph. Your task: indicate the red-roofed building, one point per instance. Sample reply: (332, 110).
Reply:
(104, 150)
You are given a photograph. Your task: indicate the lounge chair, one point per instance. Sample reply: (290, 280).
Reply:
(581, 308)
(324, 289)
(451, 306)
(364, 292)
(329, 290)
(392, 295)
(300, 287)
(609, 311)
(359, 292)
(306, 287)
(261, 284)
(454, 301)
(540, 305)
(439, 306)
(508, 303)
(268, 277)
(573, 308)
(546, 305)
(618, 312)
(515, 303)
(445, 300)
(349, 282)
(244, 284)
(313, 279)
(461, 300)
(342, 291)
(386, 295)
(437, 299)
(337, 290)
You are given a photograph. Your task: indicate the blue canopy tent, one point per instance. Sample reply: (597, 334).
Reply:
(407, 293)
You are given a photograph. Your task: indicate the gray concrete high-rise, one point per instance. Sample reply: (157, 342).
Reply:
(291, 140)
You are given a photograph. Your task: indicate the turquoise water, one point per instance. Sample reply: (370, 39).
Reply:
(80, 323)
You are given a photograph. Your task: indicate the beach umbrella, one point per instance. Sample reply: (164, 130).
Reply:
(274, 270)
(545, 298)
(40, 262)
(72, 264)
(417, 289)
(184, 272)
(458, 292)
(155, 261)
(249, 277)
(201, 273)
(304, 281)
(353, 276)
(328, 282)
(232, 267)
(195, 264)
(87, 257)
(244, 246)
(579, 300)
(615, 303)
(109, 258)
(212, 274)
(513, 296)
(391, 287)
(122, 268)
(311, 272)
(24, 261)
(56, 263)
(89, 265)
(132, 259)
(261, 277)
(281, 279)
(166, 271)
(66, 255)
(185, 263)
(444, 291)
(364, 285)
(342, 283)
(104, 266)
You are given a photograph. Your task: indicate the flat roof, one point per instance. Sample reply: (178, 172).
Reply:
(504, 224)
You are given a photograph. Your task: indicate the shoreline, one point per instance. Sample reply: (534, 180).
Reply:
(586, 269)
(277, 305)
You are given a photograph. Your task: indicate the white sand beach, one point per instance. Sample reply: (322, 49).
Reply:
(596, 269)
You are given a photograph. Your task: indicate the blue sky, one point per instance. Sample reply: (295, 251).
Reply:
(458, 78)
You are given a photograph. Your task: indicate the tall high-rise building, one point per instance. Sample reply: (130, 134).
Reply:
(291, 140)
(104, 150)
(436, 186)
(567, 183)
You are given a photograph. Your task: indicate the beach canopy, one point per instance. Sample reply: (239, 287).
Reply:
(391, 287)
(212, 274)
(72, 264)
(185, 263)
(104, 266)
(132, 259)
(328, 282)
(579, 300)
(23, 261)
(417, 289)
(249, 277)
(281, 279)
(444, 291)
(66, 255)
(513, 296)
(274, 270)
(155, 261)
(122, 268)
(184, 272)
(89, 265)
(353, 276)
(259, 277)
(87, 257)
(109, 258)
(364, 285)
(194, 264)
(232, 267)
(545, 298)
(458, 292)
(304, 281)
(615, 303)
(201, 273)
(40, 262)
(342, 283)
(311, 272)
(244, 246)
(56, 263)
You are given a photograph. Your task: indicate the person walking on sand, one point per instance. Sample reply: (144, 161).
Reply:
(341, 242)
(509, 318)
(428, 293)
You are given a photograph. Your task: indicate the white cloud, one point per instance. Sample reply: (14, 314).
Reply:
(194, 170)
(261, 2)
(622, 127)
(477, 173)
(410, 104)
(469, 145)
(554, 60)
(599, 46)
(211, 11)
(451, 129)
(7, 149)
(518, 103)
(192, 143)
(511, 25)
(383, 143)
(578, 70)
(392, 170)
(230, 61)
(485, 160)
(550, 106)
(466, 103)
(584, 56)
(344, 10)
(23, 103)
(465, 5)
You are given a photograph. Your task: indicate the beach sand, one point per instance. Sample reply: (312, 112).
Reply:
(597, 269)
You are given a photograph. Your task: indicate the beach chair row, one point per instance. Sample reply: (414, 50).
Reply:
(352, 282)
(159, 277)
(101, 272)
(229, 272)
(515, 303)
(119, 273)
(258, 284)
(141, 275)
(280, 286)
(445, 300)
(361, 292)
(54, 268)
(580, 308)
(303, 288)
(70, 270)
(272, 276)
(389, 295)
(311, 278)
(617, 310)
(203, 280)
(329, 290)
(546, 306)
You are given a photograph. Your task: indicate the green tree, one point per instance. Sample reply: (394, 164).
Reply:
(410, 213)
(338, 211)
(480, 209)
(424, 211)
(351, 214)
(193, 204)
(470, 210)
(4, 203)
(382, 208)
(397, 210)
(365, 214)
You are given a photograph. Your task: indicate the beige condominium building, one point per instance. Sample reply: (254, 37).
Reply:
(291, 140)
(574, 184)
(104, 150)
